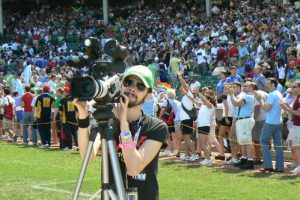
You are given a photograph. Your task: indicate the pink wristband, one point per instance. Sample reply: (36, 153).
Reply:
(129, 145)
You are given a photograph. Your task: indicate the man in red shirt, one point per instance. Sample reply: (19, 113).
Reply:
(28, 115)
(295, 130)
(222, 53)
(233, 53)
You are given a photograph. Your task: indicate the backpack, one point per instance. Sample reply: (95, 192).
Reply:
(191, 113)
(8, 112)
(169, 115)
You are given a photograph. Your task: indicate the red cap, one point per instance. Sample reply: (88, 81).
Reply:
(67, 89)
(46, 88)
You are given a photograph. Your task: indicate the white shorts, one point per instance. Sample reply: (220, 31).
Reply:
(295, 135)
(244, 130)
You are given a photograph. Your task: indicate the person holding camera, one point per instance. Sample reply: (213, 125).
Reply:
(139, 137)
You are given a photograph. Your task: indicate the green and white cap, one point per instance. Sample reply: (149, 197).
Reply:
(143, 73)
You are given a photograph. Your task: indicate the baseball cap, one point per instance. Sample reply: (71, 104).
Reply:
(46, 88)
(143, 73)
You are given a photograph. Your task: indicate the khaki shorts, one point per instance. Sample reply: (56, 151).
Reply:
(295, 135)
(8, 123)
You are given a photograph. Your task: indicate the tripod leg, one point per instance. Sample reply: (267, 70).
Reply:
(105, 173)
(82, 170)
(115, 164)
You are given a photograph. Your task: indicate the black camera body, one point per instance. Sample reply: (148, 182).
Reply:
(104, 82)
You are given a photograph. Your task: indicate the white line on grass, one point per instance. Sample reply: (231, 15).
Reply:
(39, 187)
(45, 187)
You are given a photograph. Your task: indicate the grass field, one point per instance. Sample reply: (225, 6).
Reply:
(33, 173)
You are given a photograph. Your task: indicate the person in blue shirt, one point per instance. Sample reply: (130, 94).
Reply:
(234, 77)
(245, 123)
(220, 85)
(272, 128)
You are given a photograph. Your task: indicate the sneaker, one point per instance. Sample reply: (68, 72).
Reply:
(219, 157)
(67, 149)
(194, 157)
(166, 153)
(292, 165)
(242, 162)
(44, 146)
(232, 161)
(184, 157)
(206, 162)
(296, 170)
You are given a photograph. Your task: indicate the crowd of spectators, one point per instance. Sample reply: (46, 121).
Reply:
(244, 43)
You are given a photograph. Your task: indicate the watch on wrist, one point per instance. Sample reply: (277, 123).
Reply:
(126, 134)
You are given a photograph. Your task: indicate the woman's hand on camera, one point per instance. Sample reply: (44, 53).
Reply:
(82, 108)
(121, 111)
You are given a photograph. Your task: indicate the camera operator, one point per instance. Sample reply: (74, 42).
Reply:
(138, 136)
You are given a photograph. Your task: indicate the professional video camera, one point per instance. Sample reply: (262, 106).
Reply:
(104, 83)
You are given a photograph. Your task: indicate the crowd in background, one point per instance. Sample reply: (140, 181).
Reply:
(253, 49)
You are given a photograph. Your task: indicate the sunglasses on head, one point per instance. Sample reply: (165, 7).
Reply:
(139, 85)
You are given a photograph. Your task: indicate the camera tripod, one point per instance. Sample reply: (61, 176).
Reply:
(102, 125)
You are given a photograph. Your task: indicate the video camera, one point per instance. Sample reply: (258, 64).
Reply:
(104, 82)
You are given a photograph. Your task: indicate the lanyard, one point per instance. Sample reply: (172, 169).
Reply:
(137, 133)
(135, 140)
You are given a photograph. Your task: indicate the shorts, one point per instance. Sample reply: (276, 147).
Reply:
(20, 115)
(256, 131)
(223, 121)
(295, 136)
(187, 126)
(177, 126)
(171, 129)
(244, 130)
(8, 123)
(204, 130)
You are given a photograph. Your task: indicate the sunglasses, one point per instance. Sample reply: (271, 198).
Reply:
(140, 86)
(294, 86)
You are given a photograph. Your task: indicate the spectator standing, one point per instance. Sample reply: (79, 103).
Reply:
(260, 118)
(69, 121)
(26, 101)
(259, 78)
(186, 121)
(44, 103)
(295, 130)
(57, 117)
(234, 77)
(9, 114)
(16, 85)
(19, 114)
(244, 124)
(272, 127)
(171, 94)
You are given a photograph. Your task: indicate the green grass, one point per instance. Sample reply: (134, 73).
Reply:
(33, 173)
